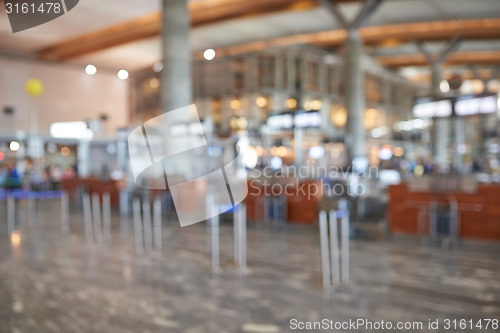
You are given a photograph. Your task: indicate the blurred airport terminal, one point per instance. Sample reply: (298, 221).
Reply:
(250, 166)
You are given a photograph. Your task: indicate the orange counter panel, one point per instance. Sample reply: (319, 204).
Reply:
(483, 224)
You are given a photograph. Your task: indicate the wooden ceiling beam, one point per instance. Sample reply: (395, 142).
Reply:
(215, 11)
(465, 74)
(147, 26)
(456, 58)
(387, 35)
(433, 31)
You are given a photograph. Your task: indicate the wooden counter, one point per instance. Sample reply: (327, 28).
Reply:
(301, 207)
(93, 185)
(479, 212)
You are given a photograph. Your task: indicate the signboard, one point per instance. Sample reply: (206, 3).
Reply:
(470, 105)
(280, 121)
(465, 105)
(307, 119)
(430, 108)
(298, 119)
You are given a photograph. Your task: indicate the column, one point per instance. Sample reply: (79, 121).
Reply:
(441, 126)
(176, 75)
(176, 87)
(355, 97)
(83, 159)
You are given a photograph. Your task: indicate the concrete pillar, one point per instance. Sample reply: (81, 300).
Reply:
(355, 96)
(176, 75)
(326, 120)
(278, 101)
(83, 159)
(441, 126)
(298, 136)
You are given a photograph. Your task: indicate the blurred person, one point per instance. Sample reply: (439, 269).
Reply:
(13, 180)
(68, 173)
(55, 177)
(39, 180)
(3, 175)
(477, 166)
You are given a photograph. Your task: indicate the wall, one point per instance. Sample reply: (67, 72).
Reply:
(70, 95)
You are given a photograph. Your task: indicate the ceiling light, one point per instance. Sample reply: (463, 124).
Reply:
(250, 158)
(316, 104)
(398, 151)
(123, 74)
(291, 103)
(209, 54)
(90, 69)
(235, 104)
(154, 83)
(316, 152)
(65, 151)
(261, 102)
(276, 162)
(385, 154)
(14, 146)
(158, 66)
(444, 86)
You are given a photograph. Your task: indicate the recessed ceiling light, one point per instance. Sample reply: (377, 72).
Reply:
(209, 54)
(123, 74)
(14, 146)
(158, 66)
(90, 69)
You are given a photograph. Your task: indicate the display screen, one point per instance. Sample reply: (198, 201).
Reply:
(299, 119)
(280, 121)
(307, 119)
(465, 105)
(430, 108)
(473, 104)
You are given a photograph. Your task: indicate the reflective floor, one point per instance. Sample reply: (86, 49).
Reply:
(50, 282)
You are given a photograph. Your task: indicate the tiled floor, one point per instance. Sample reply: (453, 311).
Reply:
(55, 283)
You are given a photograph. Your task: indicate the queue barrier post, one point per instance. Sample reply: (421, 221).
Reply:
(240, 236)
(11, 215)
(335, 259)
(64, 213)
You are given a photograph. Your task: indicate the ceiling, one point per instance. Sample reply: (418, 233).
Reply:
(267, 24)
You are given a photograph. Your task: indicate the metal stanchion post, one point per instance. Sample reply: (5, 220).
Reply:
(96, 211)
(236, 236)
(334, 248)
(345, 242)
(148, 235)
(157, 224)
(215, 237)
(325, 262)
(31, 210)
(240, 236)
(64, 213)
(136, 207)
(243, 235)
(106, 216)
(87, 217)
(11, 215)
(433, 222)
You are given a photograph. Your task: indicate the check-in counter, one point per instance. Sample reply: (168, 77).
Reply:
(301, 199)
(478, 210)
(93, 185)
